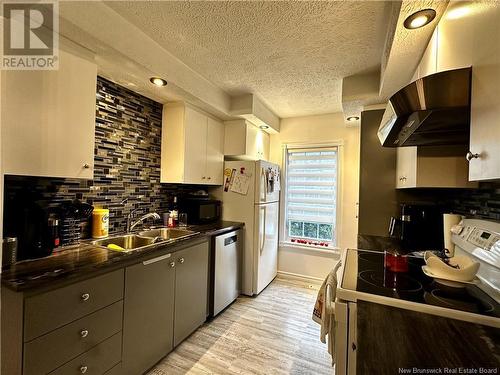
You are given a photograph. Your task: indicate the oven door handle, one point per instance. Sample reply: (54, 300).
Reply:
(329, 302)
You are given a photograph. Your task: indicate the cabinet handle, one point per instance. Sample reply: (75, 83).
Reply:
(469, 156)
(209, 178)
(172, 264)
(157, 259)
(83, 369)
(84, 333)
(86, 166)
(85, 297)
(181, 260)
(203, 178)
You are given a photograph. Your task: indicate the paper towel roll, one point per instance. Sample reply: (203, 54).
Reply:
(449, 220)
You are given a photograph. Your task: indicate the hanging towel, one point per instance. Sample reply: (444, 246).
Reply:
(323, 314)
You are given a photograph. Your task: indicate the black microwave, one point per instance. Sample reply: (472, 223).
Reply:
(201, 210)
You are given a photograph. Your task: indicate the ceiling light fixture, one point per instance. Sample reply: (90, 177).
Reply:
(264, 127)
(158, 81)
(353, 118)
(459, 12)
(420, 18)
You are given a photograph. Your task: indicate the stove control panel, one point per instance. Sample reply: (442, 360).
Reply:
(481, 238)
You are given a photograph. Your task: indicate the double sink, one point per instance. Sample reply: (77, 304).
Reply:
(143, 239)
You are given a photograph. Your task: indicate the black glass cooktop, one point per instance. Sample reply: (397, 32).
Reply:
(415, 286)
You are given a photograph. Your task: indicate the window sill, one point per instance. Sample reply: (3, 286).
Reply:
(311, 248)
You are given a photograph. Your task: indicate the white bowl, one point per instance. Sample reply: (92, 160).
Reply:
(466, 270)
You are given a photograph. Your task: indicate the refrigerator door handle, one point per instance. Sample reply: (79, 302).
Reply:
(263, 208)
(263, 185)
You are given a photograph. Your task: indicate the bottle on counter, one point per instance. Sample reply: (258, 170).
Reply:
(171, 220)
(100, 222)
(175, 210)
(53, 228)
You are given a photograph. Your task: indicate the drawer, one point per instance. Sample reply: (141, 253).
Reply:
(48, 311)
(97, 361)
(55, 348)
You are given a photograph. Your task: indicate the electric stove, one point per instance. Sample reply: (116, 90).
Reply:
(372, 277)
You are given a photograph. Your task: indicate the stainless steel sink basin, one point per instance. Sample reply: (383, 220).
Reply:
(127, 242)
(166, 233)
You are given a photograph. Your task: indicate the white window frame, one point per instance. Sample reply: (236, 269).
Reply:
(338, 206)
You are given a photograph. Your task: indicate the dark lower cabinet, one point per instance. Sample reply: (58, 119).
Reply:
(122, 322)
(191, 276)
(165, 300)
(148, 313)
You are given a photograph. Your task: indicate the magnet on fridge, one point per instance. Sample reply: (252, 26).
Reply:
(242, 170)
(227, 172)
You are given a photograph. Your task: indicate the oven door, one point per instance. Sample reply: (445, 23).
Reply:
(345, 338)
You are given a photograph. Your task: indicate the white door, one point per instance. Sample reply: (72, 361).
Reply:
(195, 154)
(48, 119)
(267, 191)
(266, 245)
(215, 156)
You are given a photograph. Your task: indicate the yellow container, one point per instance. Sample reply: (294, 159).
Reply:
(100, 222)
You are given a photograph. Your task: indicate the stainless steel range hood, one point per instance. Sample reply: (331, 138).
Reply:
(433, 110)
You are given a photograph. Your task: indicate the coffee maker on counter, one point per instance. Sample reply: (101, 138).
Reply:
(419, 227)
(35, 227)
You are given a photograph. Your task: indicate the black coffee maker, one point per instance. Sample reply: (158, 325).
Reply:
(33, 225)
(419, 227)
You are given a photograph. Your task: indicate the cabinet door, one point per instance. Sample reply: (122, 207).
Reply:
(191, 283)
(406, 167)
(485, 105)
(195, 138)
(48, 120)
(148, 313)
(215, 151)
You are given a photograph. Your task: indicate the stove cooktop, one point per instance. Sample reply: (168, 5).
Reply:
(414, 285)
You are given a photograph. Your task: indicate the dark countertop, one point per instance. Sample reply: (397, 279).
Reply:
(81, 261)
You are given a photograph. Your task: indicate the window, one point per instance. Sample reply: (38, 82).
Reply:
(311, 196)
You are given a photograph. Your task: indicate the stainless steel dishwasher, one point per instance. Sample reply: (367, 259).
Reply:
(226, 270)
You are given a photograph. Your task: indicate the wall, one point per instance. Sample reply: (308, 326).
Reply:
(127, 163)
(314, 263)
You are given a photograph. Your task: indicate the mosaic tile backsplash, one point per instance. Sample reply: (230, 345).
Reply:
(127, 163)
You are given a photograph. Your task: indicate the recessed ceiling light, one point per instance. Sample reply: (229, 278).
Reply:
(459, 12)
(158, 81)
(353, 118)
(420, 18)
(263, 127)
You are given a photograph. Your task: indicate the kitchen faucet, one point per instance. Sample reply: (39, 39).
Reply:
(131, 225)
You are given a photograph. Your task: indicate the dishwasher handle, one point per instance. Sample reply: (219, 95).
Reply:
(230, 240)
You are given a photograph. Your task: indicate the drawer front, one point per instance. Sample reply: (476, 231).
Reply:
(55, 348)
(48, 311)
(99, 360)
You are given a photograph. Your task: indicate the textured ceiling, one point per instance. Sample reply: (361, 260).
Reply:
(293, 55)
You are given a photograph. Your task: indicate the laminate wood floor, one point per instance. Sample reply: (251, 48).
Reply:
(269, 334)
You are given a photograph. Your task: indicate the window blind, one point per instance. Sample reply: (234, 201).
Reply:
(311, 194)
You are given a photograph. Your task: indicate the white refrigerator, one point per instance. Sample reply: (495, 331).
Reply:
(250, 194)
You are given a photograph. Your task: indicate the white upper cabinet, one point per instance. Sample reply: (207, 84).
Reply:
(243, 140)
(485, 102)
(432, 167)
(473, 40)
(215, 151)
(48, 119)
(192, 146)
